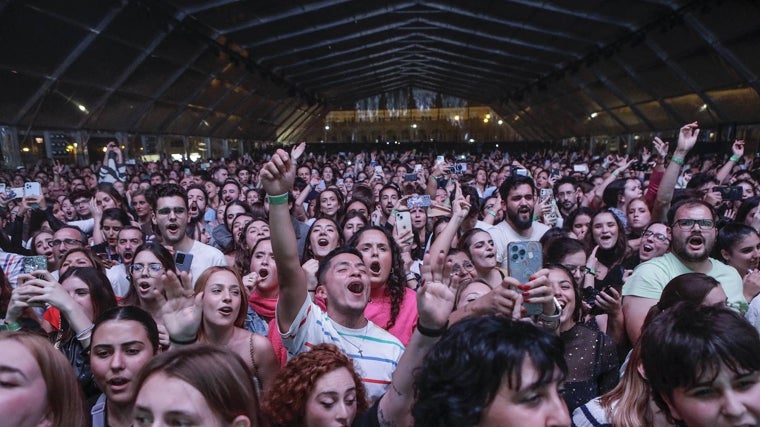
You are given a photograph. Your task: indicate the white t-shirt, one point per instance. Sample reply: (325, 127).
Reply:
(117, 275)
(375, 351)
(503, 234)
(205, 256)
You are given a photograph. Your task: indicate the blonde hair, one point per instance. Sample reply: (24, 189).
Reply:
(66, 405)
(628, 404)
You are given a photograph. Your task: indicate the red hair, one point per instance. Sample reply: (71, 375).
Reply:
(285, 402)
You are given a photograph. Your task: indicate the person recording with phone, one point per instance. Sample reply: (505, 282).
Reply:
(113, 169)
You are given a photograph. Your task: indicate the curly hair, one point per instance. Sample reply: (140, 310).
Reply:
(285, 403)
(395, 285)
(462, 374)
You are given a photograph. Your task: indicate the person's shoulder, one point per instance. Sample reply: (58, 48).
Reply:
(723, 268)
(205, 250)
(381, 336)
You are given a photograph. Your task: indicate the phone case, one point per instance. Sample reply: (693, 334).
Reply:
(403, 221)
(33, 263)
(183, 260)
(523, 260)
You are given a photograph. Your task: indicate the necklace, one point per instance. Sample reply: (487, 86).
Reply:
(358, 347)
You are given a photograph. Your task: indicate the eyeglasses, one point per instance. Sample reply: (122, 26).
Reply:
(178, 210)
(658, 236)
(456, 268)
(154, 269)
(67, 242)
(81, 202)
(689, 223)
(582, 269)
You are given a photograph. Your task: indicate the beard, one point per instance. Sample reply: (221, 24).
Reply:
(568, 205)
(681, 248)
(519, 222)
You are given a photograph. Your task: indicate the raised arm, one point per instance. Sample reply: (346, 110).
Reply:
(622, 164)
(738, 152)
(687, 137)
(435, 301)
(277, 178)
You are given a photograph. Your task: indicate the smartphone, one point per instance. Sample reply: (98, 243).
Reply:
(439, 160)
(582, 167)
(729, 193)
(34, 263)
(459, 168)
(419, 201)
(403, 221)
(417, 168)
(2, 187)
(546, 193)
(523, 260)
(183, 260)
(32, 189)
(410, 177)
(521, 172)
(187, 171)
(379, 171)
(555, 172)
(16, 193)
(339, 182)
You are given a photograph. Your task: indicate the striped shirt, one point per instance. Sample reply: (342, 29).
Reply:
(375, 352)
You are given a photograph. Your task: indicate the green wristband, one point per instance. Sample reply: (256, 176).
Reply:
(677, 160)
(280, 199)
(13, 326)
(735, 158)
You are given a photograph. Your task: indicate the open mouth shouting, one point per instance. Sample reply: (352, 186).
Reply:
(696, 242)
(144, 287)
(323, 241)
(263, 273)
(356, 287)
(374, 267)
(226, 310)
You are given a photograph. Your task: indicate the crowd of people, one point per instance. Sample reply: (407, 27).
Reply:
(384, 288)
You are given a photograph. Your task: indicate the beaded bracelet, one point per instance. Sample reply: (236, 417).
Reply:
(280, 199)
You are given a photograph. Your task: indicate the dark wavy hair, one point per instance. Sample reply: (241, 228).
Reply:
(285, 402)
(614, 256)
(747, 205)
(395, 286)
(341, 204)
(102, 297)
(461, 375)
(307, 252)
(570, 220)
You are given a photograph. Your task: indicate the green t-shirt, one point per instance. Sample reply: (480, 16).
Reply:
(649, 279)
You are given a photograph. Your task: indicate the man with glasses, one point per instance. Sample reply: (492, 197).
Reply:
(692, 233)
(568, 195)
(81, 201)
(170, 216)
(66, 238)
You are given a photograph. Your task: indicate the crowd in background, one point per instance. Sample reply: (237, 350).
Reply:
(382, 287)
